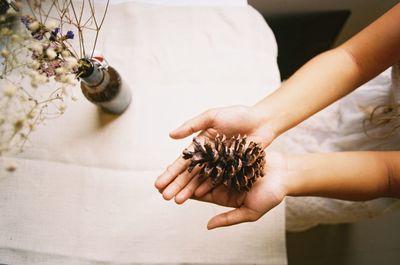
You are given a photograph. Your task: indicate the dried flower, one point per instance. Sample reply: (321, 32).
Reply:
(4, 52)
(51, 54)
(34, 26)
(53, 34)
(37, 79)
(34, 55)
(69, 35)
(10, 90)
(26, 20)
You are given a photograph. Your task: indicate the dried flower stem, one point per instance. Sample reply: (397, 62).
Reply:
(43, 52)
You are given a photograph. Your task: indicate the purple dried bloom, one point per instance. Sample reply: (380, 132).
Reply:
(53, 34)
(54, 64)
(69, 35)
(37, 35)
(36, 28)
(25, 20)
(49, 68)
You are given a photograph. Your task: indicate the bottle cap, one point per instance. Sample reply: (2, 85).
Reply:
(98, 58)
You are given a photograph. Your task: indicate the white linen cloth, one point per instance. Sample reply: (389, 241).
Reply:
(183, 2)
(83, 191)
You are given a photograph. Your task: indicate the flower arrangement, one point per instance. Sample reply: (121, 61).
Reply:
(39, 64)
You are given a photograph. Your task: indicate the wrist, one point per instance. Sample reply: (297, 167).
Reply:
(293, 180)
(276, 175)
(265, 126)
(281, 173)
(273, 116)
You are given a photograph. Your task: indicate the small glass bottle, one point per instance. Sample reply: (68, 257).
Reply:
(102, 85)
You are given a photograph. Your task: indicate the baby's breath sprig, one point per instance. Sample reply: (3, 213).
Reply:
(39, 64)
(50, 54)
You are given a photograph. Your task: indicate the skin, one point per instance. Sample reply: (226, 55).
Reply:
(320, 82)
(334, 175)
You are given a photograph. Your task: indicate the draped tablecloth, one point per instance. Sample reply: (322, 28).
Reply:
(83, 191)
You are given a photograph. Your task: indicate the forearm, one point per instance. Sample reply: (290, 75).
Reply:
(333, 74)
(345, 175)
(321, 81)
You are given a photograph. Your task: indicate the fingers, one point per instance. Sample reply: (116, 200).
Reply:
(176, 178)
(233, 217)
(203, 188)
(188, 191)
(201, 122)
(179, 183)
(172, 171)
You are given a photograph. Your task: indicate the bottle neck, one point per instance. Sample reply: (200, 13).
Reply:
(93, 76)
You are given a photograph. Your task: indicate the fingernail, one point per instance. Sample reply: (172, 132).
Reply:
(175, 131)
(167, 195)
(180, 199)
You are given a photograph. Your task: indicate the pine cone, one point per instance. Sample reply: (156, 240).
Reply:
(234, 163)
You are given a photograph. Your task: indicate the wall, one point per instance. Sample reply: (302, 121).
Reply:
(363, 11)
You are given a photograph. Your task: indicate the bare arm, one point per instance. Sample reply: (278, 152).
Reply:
(334, 74)
(349, 176)
(344, 175)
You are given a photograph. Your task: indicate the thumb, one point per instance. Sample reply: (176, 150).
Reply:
(198, 123)
(233, 217)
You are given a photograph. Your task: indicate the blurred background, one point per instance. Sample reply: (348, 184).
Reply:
(304, 28)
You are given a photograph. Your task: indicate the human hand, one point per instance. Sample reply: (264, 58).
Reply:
(230, 121)
(176, 181)
(266, 193)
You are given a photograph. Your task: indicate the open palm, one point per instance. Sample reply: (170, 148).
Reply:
(266, 193)
(176, 181)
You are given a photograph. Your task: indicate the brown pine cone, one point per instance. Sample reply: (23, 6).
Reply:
(233, 162)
